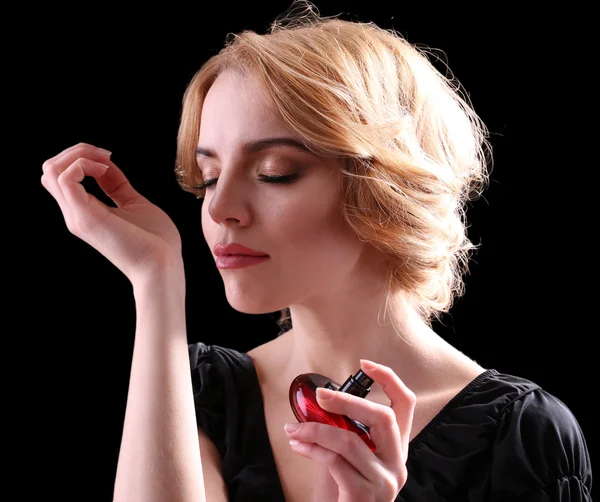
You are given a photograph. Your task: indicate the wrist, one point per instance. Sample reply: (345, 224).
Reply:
(166, 275)
(160, 299)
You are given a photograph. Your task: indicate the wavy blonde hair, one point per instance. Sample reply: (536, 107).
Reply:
(415, 151)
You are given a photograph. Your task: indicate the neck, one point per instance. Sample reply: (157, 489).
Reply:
(332, 342)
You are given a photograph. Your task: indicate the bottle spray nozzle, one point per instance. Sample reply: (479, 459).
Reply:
(358, 384)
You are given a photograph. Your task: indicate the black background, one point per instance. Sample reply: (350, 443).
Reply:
(115, 79)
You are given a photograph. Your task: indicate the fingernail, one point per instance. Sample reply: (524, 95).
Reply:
(291, 427)
(368, 364)
(323, 393)
(105, 152)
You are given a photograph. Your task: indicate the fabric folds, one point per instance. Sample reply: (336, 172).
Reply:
(502, 438)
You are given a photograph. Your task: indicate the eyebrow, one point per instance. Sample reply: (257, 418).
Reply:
(261, 144)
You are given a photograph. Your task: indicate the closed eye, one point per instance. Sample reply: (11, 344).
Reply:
(283, 179)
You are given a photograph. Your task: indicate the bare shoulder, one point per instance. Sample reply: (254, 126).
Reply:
(270, 354)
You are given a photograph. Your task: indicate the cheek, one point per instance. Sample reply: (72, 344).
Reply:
(316, 234)
(204, 216)
(210, 229)
(205, 226)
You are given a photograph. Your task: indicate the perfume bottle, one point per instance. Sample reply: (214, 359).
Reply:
(303, 400)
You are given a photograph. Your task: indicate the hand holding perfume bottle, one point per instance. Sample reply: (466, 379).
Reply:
(371, 469)
(303, 400)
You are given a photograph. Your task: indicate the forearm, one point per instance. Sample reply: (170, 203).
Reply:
(159, 458)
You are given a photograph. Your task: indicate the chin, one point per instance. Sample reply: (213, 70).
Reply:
(251, 304)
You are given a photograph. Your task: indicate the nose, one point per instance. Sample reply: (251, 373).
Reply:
(228, 204)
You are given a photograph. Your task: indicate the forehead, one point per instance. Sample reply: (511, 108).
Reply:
(237, 110)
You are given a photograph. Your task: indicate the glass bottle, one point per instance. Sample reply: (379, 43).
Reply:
(303, 400)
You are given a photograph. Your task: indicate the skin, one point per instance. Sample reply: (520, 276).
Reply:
(331, 281)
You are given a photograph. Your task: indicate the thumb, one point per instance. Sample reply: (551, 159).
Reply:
(115, 185)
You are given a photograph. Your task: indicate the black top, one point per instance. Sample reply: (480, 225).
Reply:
(502, 438)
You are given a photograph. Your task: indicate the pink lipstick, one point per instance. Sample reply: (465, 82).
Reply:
(234, 255)
(239, 261)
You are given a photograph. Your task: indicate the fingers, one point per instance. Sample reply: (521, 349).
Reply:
(55, 166)
(340, 478)
(354, 467)
(389, 426)
(338, 448)
(116, 186)
(70, 180)
(82, 146)
(114, 183)
(359, 474)
(380, 419)
(403, 400)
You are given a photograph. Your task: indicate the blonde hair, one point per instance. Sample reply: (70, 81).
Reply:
(415, 151)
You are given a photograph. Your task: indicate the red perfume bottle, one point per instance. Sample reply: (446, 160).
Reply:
(303, 400)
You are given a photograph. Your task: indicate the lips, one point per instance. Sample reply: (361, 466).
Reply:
(235, 255)
(239, 261)
(234, 249)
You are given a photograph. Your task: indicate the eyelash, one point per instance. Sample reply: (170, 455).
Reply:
(284, 179)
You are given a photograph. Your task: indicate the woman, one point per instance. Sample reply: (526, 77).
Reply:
(336, 155)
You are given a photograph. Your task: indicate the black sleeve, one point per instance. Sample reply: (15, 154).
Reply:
(207, 385)
(540, 453)
(229, 408)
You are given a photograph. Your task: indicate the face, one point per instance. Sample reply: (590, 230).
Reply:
(299, 224)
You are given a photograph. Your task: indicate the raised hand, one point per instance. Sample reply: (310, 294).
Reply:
(351, 472)
(136, 236)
